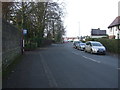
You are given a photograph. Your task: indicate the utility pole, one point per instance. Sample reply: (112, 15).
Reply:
(22, 27)
(22, 30)
(79, 29)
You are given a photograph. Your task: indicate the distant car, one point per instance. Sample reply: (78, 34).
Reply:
(65, 41)
(95, 47)
(81, 46)
(76, 43)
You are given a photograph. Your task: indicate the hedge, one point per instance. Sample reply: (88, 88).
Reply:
(112, 45)
(33, 43)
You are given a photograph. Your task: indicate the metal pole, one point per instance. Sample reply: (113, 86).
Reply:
(22, 42)
(22, 29)
(79, 29)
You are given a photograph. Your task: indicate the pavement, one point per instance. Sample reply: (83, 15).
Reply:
(62, 66)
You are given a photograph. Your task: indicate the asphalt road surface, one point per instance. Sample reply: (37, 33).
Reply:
(62, 66)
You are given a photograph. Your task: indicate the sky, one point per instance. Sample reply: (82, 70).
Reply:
(84, 15)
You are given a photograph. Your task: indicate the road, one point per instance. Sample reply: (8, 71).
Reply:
(62, 66)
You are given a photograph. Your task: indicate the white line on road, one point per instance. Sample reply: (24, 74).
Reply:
(118, 68)
(91, 59)
(75, 53)
(52, 81)
(87, 58)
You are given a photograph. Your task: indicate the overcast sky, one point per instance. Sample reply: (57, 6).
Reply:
(85, 15)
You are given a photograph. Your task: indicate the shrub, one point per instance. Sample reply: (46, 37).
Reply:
(35, 42)
(30, 46)
(112, 45)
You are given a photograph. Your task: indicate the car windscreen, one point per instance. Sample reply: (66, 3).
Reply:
(96, 44)
(82, 43)
(77, 41)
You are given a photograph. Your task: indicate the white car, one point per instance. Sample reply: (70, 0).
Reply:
(95, 47)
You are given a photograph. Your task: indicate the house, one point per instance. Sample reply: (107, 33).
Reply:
(97, 33)
(114, 29)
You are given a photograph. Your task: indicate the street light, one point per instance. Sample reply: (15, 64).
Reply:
(79, 29)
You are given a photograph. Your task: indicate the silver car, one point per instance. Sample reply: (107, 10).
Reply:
(76, 43)
(81, 46)
(95, 47)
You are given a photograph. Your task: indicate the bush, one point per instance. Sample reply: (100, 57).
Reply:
(83, 41)
(112, 45)
(30, 46)
(35, 42)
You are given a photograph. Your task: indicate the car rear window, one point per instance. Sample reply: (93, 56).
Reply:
(82, 44)
(96, 44)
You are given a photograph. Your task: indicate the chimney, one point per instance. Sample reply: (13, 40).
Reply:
(98, 28)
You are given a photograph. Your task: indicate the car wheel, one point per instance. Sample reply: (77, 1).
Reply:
(80, 48)
(85, 50)
(91, 51)
(104, 53)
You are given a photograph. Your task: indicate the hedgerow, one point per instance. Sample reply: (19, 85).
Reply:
(112, 45)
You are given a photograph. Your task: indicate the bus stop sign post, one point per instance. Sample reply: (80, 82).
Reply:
(23, 41)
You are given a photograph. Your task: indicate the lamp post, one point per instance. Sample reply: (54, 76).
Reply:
(79, 29)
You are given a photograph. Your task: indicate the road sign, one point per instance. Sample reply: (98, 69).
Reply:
(24, 31)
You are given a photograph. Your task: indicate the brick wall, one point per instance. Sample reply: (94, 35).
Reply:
(11, 43)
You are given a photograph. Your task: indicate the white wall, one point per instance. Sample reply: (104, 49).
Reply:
(114, 31)
(97, 36)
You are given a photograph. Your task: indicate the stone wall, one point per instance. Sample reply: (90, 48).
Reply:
(11, 43)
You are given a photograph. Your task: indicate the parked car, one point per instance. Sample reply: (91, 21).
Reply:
(76, 43)
(81, 46)
(95, 47)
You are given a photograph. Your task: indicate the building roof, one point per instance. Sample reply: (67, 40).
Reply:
(116, 22)
(98, 32)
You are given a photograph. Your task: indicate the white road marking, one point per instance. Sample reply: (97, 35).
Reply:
(51, 79)
(87, 58)
(118, 68)
(75, 53)
(91, 59)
